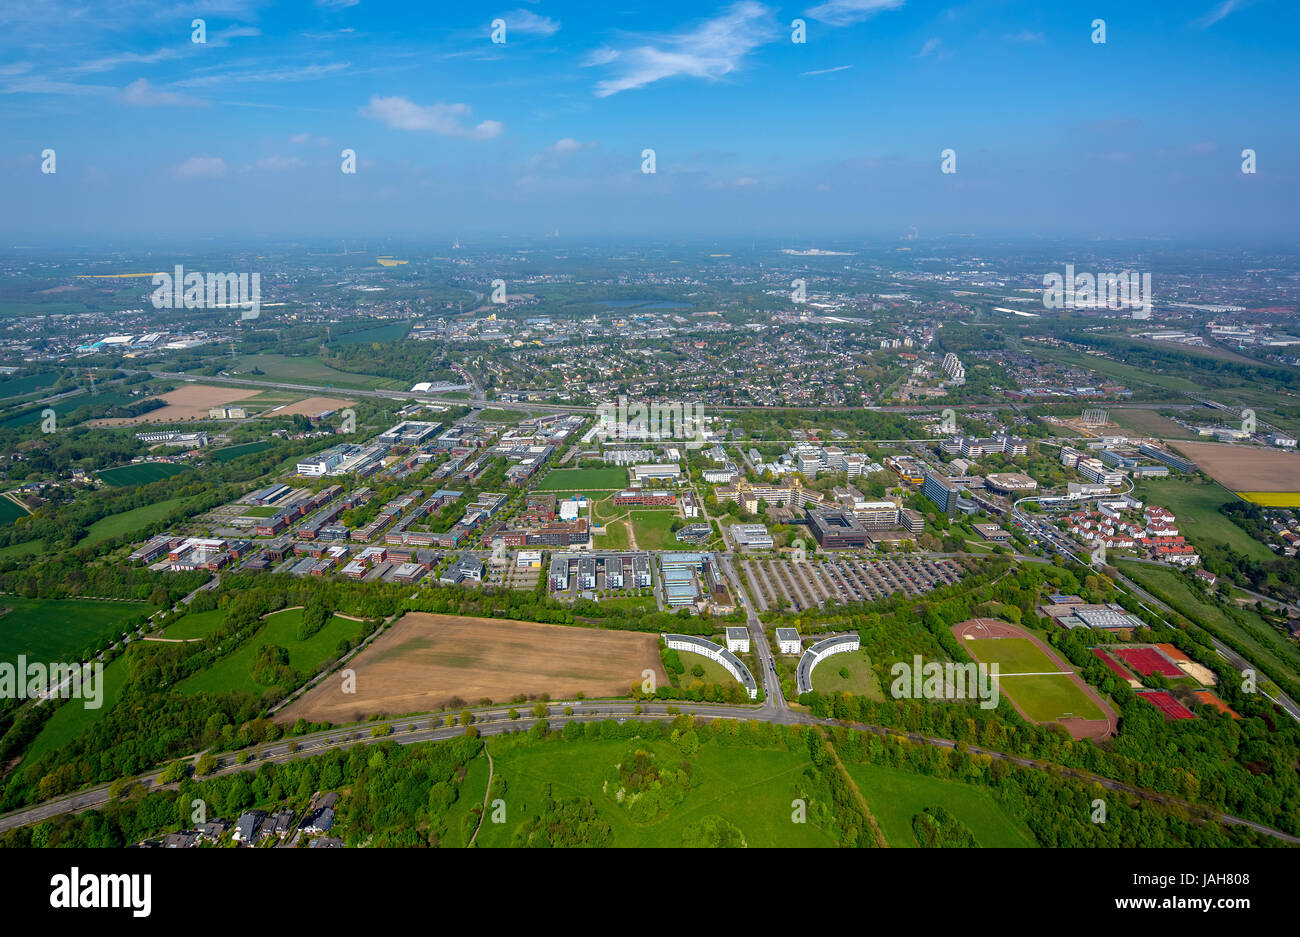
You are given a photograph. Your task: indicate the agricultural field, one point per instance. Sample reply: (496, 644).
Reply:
(310, 406)
(127, 522)
(1042, 687)
(234, 452)
(1196, 506)
(23, 384)
(233, 673)
(896, 796)
(10, 511)
(60, 629)
(424, 661)
(1245, 468)
(750, 787)
(1273, 499)
(307, 369)
(185, 404)
(140, 473)
(861, 681)
(1148, 423)
(388, 332)
(578, 480)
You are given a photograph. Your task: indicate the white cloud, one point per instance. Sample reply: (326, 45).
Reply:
(1219, 12)
(827, 71)
(711, 50)
(201, 167)
(303, 138)
(557, 151)
(443, 119)
(848, 12)
(297, 73)
(528, 22)
(1025, 35)
(109, 62)
(600, 57)
(140, 93)
(931, 46)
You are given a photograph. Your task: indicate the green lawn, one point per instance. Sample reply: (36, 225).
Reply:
(615, 536)
(653, 530)
(714, 673)
(751, 788)
(598, 479)
(72, 717)
(260, 510)
(59, 629)
(862, 679)
(1196, 507)
(307, 370)
(128, 521)
(233, 673)
(896, 796)
(140, 473)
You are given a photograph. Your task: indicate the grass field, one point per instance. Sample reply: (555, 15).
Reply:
(1273, 499)
(424, 661)
(1196, 507)
(260, 510)
(1041, 698)
(1148, 423)
(751, 788)
(26, 383)
(388, 332)
(615, 536)
(10, 512)
(233, 674)
(596, 479)
(653, 530)
(128, 521)
(59, 629)
(140, 473)
(72, 718)
(194, 625)
(714, 673)
(1240, 627)
(17, 550)
(234, 452)
(862, 680)
(896, 796)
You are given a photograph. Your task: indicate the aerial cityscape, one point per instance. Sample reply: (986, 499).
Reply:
(521, 430)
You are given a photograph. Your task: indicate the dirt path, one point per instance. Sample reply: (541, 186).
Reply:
(486, 794)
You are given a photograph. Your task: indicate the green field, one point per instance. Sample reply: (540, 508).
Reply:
(1148, 423)
(653, 530)
(59, 629)
(260, 510)
(307, 370)
(594, 479)
(26, 548)
(1196, 507)
(10, 512)
(862, 679)
(615, 536)
(127, 522)
(140, 473)
(1241, 627)
(896, 796)
(194, 625)
(234, 452)
(388, 332)
(714, 673)
(1041, 698)
(22, 384)
(72, 717)
(751, 788)
(233, 674)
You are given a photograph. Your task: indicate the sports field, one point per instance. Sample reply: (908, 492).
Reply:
(140, 473)
(595, 479)
(1041, 686)
(59, 629)
(424, 660)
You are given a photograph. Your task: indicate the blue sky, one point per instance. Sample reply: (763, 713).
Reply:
(838, 136)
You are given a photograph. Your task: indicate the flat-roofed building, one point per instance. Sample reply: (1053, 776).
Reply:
(738, 640)
(751, 537)
(788, 641)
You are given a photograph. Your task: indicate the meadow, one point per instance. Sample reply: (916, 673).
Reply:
(60, 629)
(115, 525)
(1196, 506)
(140, 473)
(234, 452)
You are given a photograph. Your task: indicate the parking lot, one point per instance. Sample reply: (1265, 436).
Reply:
(839, 580)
